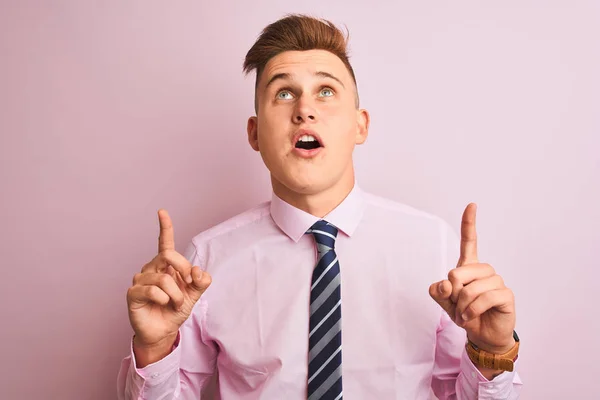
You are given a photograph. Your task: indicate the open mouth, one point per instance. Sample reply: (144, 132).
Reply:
(307, 142)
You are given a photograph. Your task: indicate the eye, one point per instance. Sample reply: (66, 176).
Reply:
(284, 95)
(326, 92)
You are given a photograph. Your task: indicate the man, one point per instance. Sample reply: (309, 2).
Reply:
(321, 292)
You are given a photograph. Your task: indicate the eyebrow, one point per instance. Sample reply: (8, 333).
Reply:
(286, 76)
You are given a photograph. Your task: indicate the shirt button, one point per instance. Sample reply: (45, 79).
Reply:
(473, 374)
(155, 375)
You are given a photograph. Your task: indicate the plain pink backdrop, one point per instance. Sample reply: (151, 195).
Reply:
(110, 110)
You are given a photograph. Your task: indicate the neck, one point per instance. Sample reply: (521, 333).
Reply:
(318, 204)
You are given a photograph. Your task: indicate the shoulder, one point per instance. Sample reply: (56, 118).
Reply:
(388, 206)
(391, 212)
(423, 231)
(231, 226)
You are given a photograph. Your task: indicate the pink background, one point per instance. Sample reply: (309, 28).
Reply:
(110, 110)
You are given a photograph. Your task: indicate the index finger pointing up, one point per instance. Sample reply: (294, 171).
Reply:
(468, 236)
(166, 239)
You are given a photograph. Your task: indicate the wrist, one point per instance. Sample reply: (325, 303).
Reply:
(492, 360)
(495, 349)
(146, 354)
(491, 373)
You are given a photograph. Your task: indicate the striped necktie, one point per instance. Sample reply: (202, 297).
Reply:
(325, 326)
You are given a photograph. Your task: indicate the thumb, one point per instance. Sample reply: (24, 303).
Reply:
(440, 292)
(201, 280)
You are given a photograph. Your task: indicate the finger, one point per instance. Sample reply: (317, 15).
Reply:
(476, 288)
(461, 276)
(201, 280)
(141, 295)
(468, 236)
(158, 264)
(500, 299)
(165, 282)
(440, 292)
(177, 261)
(166, 238)
(170, 258)
(176, 276)
(152, 266)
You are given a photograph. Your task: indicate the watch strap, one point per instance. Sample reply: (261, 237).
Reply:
(504, 362)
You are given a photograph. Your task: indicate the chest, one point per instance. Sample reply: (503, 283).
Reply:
(259, 306)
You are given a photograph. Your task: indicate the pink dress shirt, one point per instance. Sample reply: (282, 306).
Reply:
(250, 328)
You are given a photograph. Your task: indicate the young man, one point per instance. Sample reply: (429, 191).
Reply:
(325, 291)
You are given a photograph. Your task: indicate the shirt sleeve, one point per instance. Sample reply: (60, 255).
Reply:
(185, 372)
(455, 376)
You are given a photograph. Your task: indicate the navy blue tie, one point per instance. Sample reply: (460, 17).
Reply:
(325, 325)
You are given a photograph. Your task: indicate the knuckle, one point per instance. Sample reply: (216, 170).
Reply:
(500, 280)
(511, 295)
(136, 278)
(466, 293)
(164, 279)
(453, 275)
(152, 291)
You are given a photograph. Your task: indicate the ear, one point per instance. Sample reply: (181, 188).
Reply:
(362, 128)
(252, 129)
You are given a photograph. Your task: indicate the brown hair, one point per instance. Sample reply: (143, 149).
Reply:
(297, 32)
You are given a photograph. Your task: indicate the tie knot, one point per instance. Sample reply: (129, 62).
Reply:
(324, 234)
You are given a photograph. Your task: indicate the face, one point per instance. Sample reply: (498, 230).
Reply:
(307, 122)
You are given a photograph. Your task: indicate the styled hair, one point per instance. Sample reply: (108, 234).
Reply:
(297, 32)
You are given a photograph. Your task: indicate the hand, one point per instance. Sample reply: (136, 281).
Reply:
(475, 297)
(163, 295)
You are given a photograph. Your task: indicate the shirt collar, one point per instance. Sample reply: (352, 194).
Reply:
(295, 222)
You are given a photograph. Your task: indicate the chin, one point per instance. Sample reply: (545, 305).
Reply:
(304, 186)
(309, 185)
(299, 184)
(303, 179)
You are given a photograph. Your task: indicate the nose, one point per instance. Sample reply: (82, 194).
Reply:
(304, 112)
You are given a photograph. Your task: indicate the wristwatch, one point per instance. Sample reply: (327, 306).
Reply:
(503, 362)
